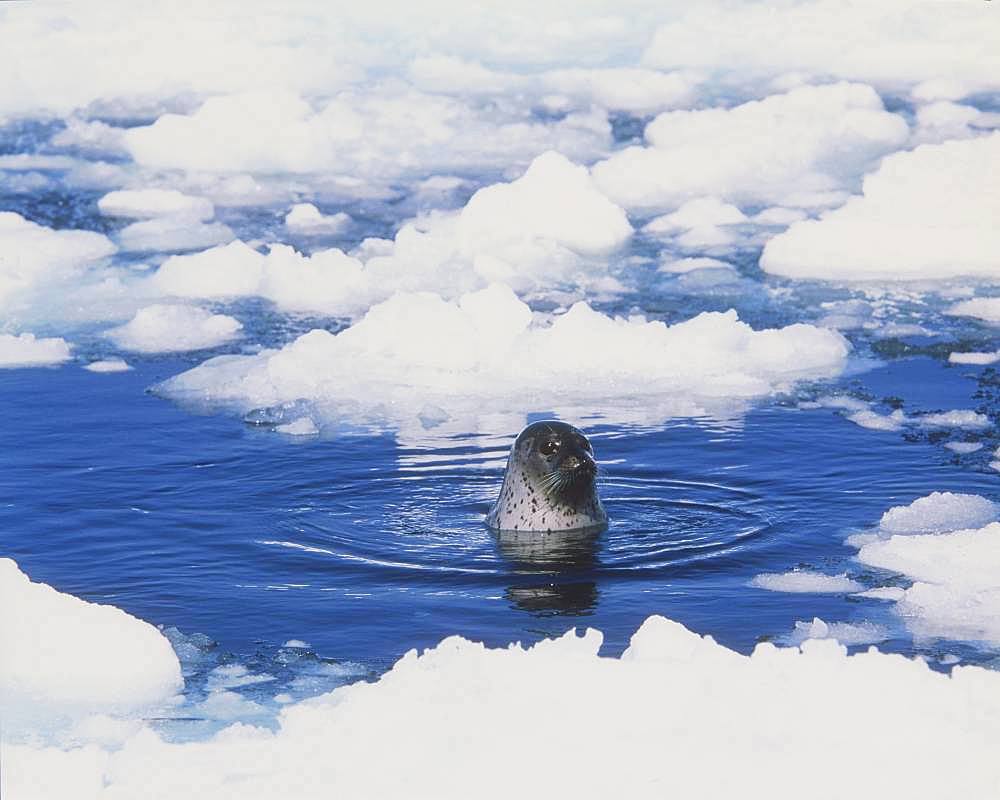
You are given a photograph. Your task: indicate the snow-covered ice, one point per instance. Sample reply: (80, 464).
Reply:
(787, 149)
(929, 213)
(306, 218)
(164, 328)
(656, 711)
(806, 581)
(64, 655)
(27, 350)
(108, 365)
(149, 203)
(486, 349)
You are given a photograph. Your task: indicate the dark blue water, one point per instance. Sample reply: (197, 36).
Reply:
(365, 548)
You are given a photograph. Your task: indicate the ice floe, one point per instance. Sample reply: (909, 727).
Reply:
(947, 546)
(63, 655)
(659, 708)
(171, 328)
(486, 349)
(806, 581)
(306, 218)
(32, 254)
(27, 350)
(108, 365)
(788, 149)
(149, 203)
(929, 213)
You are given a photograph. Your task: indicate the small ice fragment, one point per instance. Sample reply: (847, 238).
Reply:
(939, 512)
(806, 581)
(974, 358)
(893, 593)
(296, 643)
(303, 426)
(108, 365)
(964, 448)
(955, 419)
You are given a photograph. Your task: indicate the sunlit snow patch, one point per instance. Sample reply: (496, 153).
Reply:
(948, 546)
(929, 213)
(163, 328)
(789, 149)
(656, 711)
(63, 655)
(486, 352)
(28, 351)
(806, 582)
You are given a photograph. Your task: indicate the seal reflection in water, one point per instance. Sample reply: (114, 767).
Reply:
(549, 484)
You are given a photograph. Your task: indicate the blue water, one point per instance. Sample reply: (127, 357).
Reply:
(364, 548)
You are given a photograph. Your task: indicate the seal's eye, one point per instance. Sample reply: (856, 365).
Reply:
(549, 447)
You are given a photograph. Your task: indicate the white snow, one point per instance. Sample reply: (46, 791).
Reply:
(652, 717)
(964, 448)
(487, 350)
(683, 265)
(956, 419)
(548, 226)
(306, 218)
(929, 213)
(166, 328)
(27, 350)
(31, 254)
(868, 418)
(171, 234)
(806, 581)
(939, 512)
(149, 203)
(108, 365)
(784, 150)
(974, 358)
(984, 308)
(66, 655)
(703, 212)
(846, 633)
(948, 546)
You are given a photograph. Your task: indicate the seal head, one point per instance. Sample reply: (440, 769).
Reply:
(549, 484)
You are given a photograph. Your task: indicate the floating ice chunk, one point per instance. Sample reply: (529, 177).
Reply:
(892, 593)
(150, 203)
(28, 351)
(232, 676)
(984, 308)
(778, 216)
(67, 655)
(929, 213)
(879, 422)
(974, 358)
(956, 589)
(555, 199)
(303, 426)
(964, 448)
(700, 213)
(108, 365)
(306, 218)
(31, 253)
(955, 419)
(641, 91)
(806, 581)
(358, 132)
(226, 705)
(766, 151)
(939, 512)
(683, 265)
(297, 644)
(415, 349)
(91, 136)
(847, 633)
(943, 727)
(233, 270)
(161, 328)
(171, 234)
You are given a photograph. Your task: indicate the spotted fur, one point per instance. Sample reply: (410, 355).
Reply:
(549, 483)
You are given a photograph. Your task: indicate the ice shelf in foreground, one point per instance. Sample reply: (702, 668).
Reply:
(676, 714)
(64, 654)
(486, 349)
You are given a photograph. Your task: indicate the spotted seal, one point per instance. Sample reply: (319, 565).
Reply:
(549, 483)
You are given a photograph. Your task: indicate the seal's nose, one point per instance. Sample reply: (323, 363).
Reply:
(572, 462)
